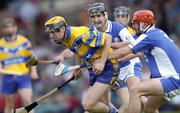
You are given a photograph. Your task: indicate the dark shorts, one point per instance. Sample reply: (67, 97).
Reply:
(107, 76)
(11, 83)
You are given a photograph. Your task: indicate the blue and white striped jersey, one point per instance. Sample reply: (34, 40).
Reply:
(119, 33)
(163, 56)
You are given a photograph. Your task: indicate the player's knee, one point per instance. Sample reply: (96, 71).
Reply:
(149, 109)
(88, 106)
(133, 90)
(27, 101)
(124, 108)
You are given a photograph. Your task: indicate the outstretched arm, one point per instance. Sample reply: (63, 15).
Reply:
(131, 56)
(33, 72)
(67, 53)
(117, 45)
(119, 53)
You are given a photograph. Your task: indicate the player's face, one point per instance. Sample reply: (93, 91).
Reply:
(9, 29)
(98, 20)
(123, 19)
(57, 35)
(136, 27)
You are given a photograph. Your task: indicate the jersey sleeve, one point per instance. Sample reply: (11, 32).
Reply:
(94, 38)
(126, 35)
(28, 49)
(141, 44)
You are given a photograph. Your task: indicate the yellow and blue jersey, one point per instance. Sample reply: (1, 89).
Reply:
(131, 31)
(88, 44)
(14, 55)
(85, 42)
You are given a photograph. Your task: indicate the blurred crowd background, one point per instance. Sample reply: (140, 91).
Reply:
(30, 16)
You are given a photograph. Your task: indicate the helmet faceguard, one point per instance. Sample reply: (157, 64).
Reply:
(53, 27)
(122, 11)
(97, 8)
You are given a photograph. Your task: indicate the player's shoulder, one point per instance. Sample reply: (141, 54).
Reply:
(117, 24)
(22, 38)
(79, 28)
(131, 31)
(1, 39)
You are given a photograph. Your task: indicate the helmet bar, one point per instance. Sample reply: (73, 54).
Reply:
(121, 10)
(54, 27)
(96, 8)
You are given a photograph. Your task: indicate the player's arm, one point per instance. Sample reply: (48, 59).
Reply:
(33, 72)
(67, 53)
(99, 66)
(130, 56)
(119, 53)
(78, 72)
(117, 45)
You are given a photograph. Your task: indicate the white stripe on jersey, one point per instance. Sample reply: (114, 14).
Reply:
(125, 35)
(163, 62)
(139, 39)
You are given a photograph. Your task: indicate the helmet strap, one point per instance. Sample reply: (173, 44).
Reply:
(144, 27)
(64, 33)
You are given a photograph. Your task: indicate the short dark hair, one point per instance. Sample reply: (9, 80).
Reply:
(7, 21)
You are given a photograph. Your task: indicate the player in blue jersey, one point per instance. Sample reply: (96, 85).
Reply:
(15, 50)
(130, 71)
(162, 58)
(122, 14)
(92, 46)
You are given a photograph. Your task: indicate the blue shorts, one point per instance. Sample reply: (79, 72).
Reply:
(128, 71)
(107, 76)
(11, 83)
(171, 87)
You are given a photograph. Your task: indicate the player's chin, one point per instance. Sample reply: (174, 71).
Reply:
(98, 25)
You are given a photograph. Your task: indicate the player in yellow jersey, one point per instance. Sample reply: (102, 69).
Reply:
(93, 46)
(15, 50)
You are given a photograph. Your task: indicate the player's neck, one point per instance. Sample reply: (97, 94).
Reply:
(11, 38)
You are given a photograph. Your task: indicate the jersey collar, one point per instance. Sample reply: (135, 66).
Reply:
(6, 38)
(109, 27)
(151, 28)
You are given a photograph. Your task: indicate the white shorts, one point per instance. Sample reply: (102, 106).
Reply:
(133, 69)
(171, 87)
